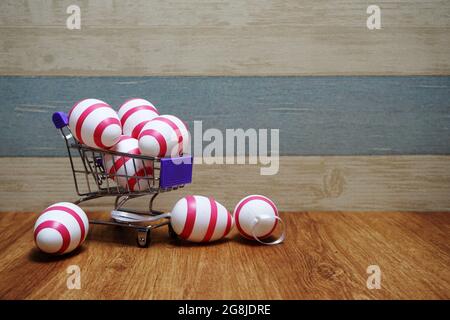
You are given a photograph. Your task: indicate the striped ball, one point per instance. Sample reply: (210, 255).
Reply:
(61, 228)
(124, 165)
(164, 136)
(251, 207)
(134, 114)
(200, 219)
(94, 123)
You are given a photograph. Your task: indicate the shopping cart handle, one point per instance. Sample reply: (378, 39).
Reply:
(60, 120)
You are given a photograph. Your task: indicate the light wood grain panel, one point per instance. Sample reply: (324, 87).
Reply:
(252, 37)
(369, 183)
(325, 256)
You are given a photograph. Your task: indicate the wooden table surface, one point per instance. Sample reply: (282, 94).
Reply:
(325, 256)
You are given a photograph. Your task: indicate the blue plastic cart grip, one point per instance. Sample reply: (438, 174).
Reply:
(175, 171)
(60, 120)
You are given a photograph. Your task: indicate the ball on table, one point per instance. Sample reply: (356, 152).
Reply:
(94, 123)
(200, 219)
(136, 172)
(164, 136)
(134, 114)
(256, 215)
(61, 228)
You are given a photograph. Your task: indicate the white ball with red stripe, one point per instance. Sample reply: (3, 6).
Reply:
(61, 228)
(134, 114)
(247, 212)
(136, 175)
(200, 219)
(94, 123)
(164, 136)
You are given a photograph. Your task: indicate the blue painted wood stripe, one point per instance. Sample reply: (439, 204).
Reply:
(315, 115)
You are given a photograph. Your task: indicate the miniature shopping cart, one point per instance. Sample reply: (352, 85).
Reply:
(92, 181)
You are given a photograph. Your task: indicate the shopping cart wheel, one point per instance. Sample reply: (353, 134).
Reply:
(172, 232)
(143, 237)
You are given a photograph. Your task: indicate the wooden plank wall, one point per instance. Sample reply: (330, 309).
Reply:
(376, 123)
(224, 37)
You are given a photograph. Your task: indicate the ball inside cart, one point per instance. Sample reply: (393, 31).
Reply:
(128, 172)
(94, 123)
(164, 136)
(200, 219)
(134, 114)
(256, 215)
(61, 228)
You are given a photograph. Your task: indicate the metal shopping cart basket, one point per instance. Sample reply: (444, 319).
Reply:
(92, 181)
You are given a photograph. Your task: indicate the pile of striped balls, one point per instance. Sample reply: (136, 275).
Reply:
(137, 128)
(95, 124)
(62, 227)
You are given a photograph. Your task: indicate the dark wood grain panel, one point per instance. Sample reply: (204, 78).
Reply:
(325, 256)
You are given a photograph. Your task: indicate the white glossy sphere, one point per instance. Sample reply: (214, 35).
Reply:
(200, 219)
(247, 212)
(49, 240)
(164, 136)
(134, 114)
(94, 123)
(61, 228)
(125, 166)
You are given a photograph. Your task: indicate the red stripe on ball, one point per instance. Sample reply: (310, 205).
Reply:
(137, 129)
(212, 221)
(83, 117)
(74, 214)
(190, 217)
(147, 171)
(176, 129)
(159, 137)
(136, 109)
(121, 161)
(58, 227)
(100, 128)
